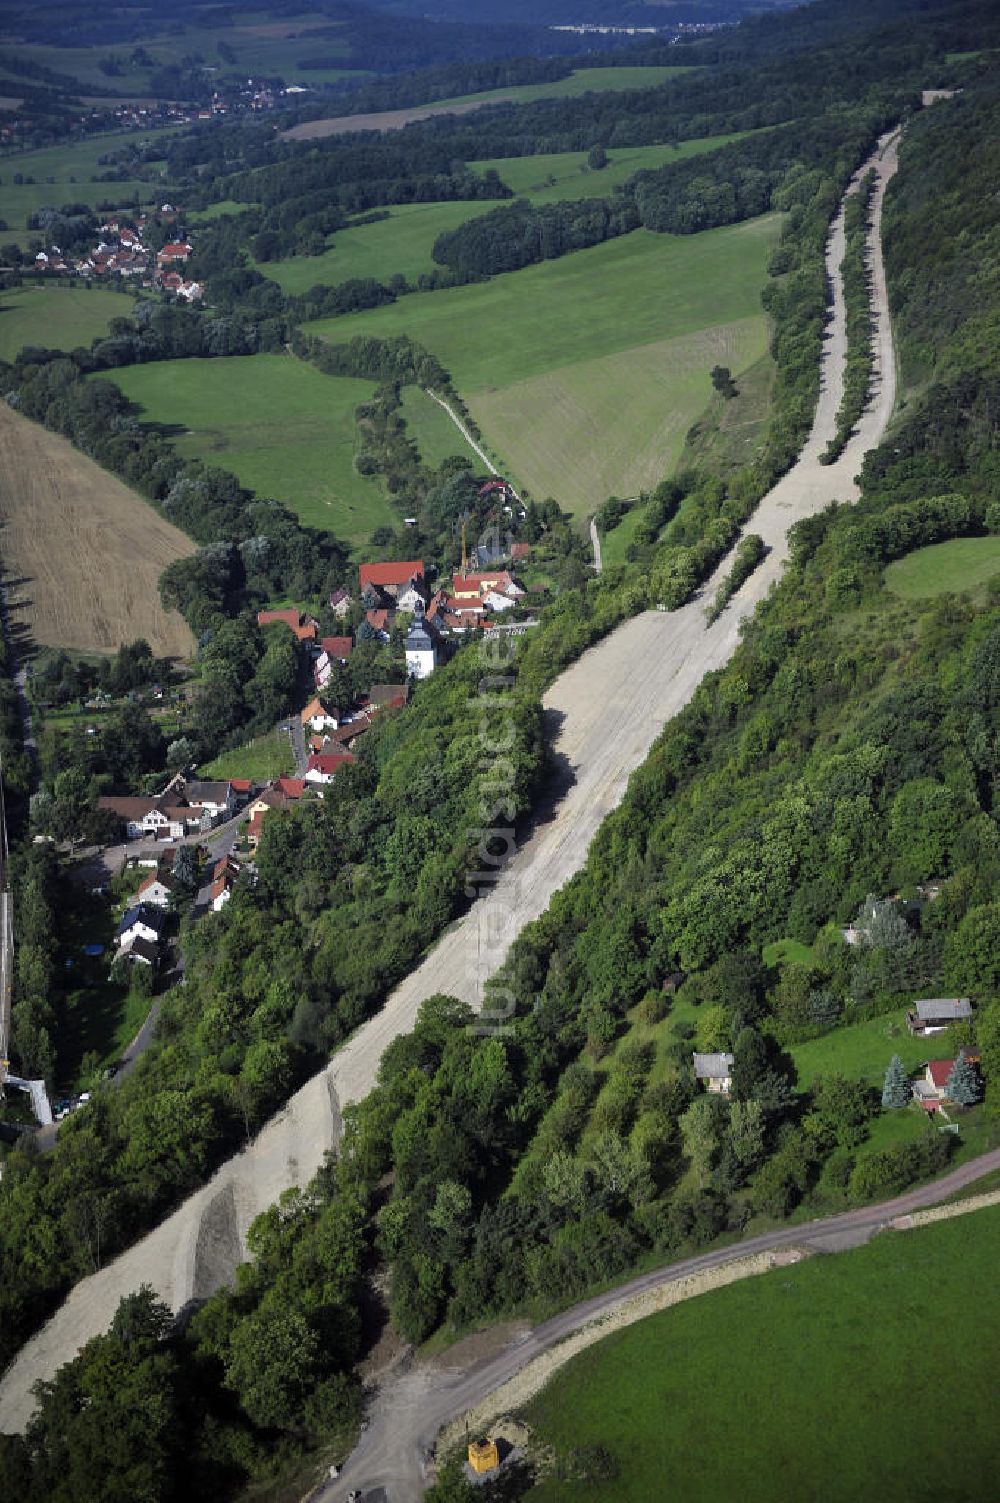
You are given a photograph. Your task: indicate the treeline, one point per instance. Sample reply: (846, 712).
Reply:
(856, 277)
(442, 81)
(736, 182)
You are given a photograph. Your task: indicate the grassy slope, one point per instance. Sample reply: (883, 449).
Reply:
(583, 81)
(863, 1050)
(60, 317)
(284, 429)
(265, 757)
(432, 430)
(689, 1409)
(403, 242)
(62, 174)
(538, 353)
(565, 174)
(952, 567)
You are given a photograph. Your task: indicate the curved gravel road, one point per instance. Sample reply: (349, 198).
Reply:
(408, 1415)
(603, 715)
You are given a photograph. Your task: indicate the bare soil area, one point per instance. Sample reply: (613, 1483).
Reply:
(81, 553)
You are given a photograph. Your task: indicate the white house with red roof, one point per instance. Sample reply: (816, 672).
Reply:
(322, 767)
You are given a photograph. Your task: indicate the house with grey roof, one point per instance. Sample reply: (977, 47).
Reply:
(715, 1072)
(933, 1014)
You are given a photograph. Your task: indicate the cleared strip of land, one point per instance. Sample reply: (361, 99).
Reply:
(81, 553)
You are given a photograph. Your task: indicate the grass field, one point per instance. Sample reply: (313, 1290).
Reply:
(402, 244)
(265, 757)
(62, 174)
(879, 1383)
(60, 317)
(564, 175)
(613, 344)
(582, 81)
(862, 1051)
(81, 553)
(287, 431)
(963, 564)
(432, 429)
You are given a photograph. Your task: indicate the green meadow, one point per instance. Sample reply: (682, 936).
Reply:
(62, 174)
(402, 243)
(563, 175)
(60, 317)
(862, 1051)
(582, 81)
(284, 429)
(432, 430)
(586, 372)
(879, 1383)
(945, 568)
(263, 758)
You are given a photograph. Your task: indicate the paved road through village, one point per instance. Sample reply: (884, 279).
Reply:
(603, 715)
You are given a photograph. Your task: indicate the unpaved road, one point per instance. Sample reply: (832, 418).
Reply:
(406, 1417)
(82, 554)
(604, 714)
(463, 430)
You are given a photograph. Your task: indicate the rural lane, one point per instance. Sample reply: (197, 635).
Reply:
(602, 717)
(595, 538)
(408, 1414)
(463, 430)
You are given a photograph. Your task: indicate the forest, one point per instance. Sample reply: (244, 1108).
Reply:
(841, 770)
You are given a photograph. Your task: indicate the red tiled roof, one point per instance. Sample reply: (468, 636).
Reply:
(337, 647)
(940, 1069)
(520, 550)
(328, 762)
(377, 620)
(241, 785)
(291, 787)
(391, 574)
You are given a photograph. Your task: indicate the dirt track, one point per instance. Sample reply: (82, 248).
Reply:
(604, 713)
(81, 553)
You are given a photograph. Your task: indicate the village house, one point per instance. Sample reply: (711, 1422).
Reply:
(303, 627)
(215, 801)
(155, 890)
(715, 1072)
(520, 552)
(340, 603)
(322, 766)
(140, 952)
(393, 579)
(380, 622)
(175, 252)
(934, 1014)
(222, 889)
(320, 717)
(388, 696)
(338, 649)
(139, 922)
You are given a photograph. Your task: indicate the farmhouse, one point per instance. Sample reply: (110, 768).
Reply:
(715, 1071)
(165, 817)
(937, 1013)
(174, 252)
